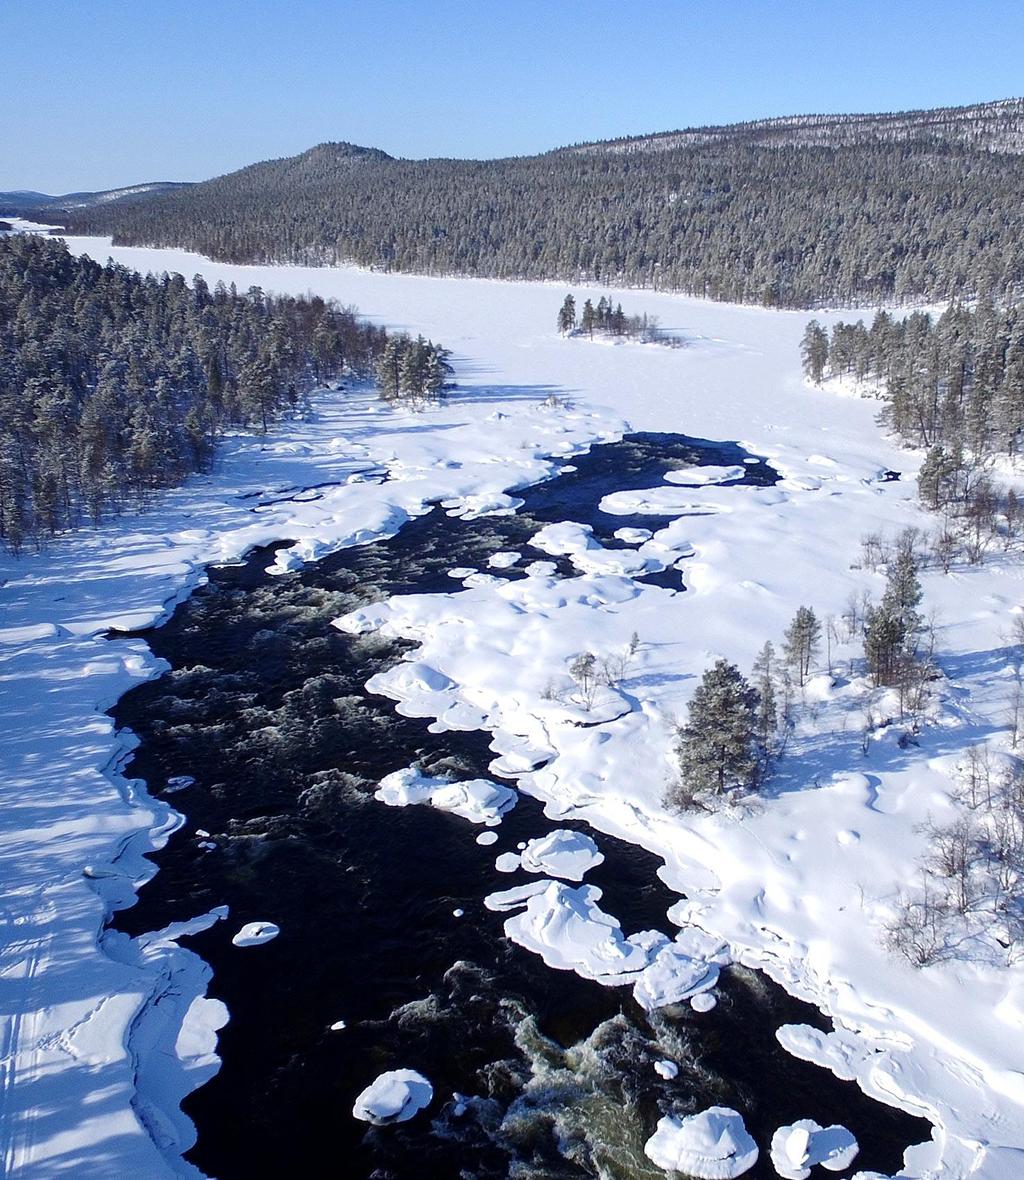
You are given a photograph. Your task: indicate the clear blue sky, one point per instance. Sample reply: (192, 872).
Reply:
(100, 93)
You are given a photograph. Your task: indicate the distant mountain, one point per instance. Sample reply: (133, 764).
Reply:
(22, 201)
(801, 211)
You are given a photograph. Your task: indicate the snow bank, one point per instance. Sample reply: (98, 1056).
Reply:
(803, 1145)
(478, 800)
(712, 1145)
(394, 1097)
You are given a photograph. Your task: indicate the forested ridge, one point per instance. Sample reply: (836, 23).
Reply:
(797, 212)
(114, 384)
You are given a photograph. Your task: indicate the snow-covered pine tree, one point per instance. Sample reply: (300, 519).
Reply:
(717, 747)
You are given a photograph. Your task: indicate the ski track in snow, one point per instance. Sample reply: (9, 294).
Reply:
(94, 1071)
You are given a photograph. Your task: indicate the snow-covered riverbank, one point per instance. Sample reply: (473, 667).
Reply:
(799, 888)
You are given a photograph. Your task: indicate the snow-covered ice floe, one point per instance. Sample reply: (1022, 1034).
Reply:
(712, 1145)
(393, 1097)
(256, 934)
(696, 476)
(478, 800)
(566, 927)
(798, 1148)
(561, 853)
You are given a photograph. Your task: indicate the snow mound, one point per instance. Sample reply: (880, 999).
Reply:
(394, 1097)
(712, 1145)
(697, 476)
(666, 1069)
(478, 800)
(570, 932)
(256, 934)
(798, 1148)
(561, 853)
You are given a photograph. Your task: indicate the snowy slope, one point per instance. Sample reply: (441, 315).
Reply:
(799, 888)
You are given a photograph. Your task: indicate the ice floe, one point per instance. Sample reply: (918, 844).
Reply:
(588, 555)
(633, 536)
(565, 926)
(666, 1069)
(561, 853)
(798, 1148)
(712, 1145)
(503, 560)
(478, 800)
(256, 934)
(675, 975)
(394, 1097)
(663, 501)
(696, 476)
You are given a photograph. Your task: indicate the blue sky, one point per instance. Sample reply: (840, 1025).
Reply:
(99, 93)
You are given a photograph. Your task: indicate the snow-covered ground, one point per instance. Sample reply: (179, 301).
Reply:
(93, 1068)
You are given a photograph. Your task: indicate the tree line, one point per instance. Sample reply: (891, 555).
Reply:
(778, 221)
(114, 384)
(954, 386)
(955, 380)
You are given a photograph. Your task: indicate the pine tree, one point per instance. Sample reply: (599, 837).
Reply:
(801, 642)
(567, 315)
(717, 747)
(814, 350)
(588, 319)
(892, 629)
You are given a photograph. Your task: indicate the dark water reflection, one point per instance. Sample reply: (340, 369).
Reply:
(265, 707)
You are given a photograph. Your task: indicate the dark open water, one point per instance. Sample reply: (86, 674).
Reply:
(265, 707)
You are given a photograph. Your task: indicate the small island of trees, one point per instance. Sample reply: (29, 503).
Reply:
(610, 321)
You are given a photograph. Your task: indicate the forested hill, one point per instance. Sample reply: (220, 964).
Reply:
(995, 126)
(794, 212)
